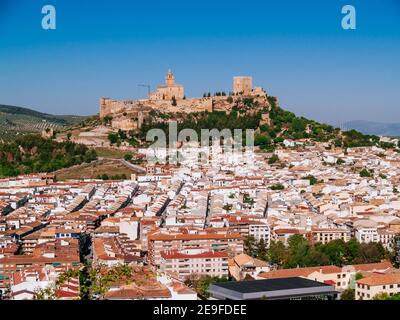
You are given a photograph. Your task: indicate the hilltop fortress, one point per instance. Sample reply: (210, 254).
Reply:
(170, 98)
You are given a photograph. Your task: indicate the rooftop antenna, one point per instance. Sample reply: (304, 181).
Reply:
(146, 86)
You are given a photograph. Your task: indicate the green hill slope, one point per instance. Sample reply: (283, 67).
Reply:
(18, 120)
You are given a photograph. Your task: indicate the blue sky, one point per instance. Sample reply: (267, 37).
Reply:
(296, 51)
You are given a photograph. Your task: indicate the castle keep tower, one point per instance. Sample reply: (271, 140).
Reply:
(105, 107)
(242, 86)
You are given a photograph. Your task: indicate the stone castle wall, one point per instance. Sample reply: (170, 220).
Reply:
(109, 107)
(131, 114)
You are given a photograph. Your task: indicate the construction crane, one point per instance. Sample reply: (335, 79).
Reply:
(146, 86)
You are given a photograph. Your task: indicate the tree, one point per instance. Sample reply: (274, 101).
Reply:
(370, 253)
(227, 207)
(122, 134)
(113, 138)
(395, 253)
(312, 179)
(107, 120)
(352, 251)
(386, 296)
(273, 159)
(277, 187)
(298, 251)
(381, 296)
(201, 283)
(261, 140)
(335, 251)
(365, 173)
(128, 157)
(48, 293)
(316, 258)
(247, 199)
(174, 101)
(261, 250)
(348, 294)
(249, 246)
(277, 253)
(359, 276)
(298, 125)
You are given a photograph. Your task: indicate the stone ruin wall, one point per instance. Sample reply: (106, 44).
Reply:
(130, 114)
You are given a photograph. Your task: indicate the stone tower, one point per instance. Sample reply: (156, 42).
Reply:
(242, 85)
(170, 79)
(169, 90)
(105, 108)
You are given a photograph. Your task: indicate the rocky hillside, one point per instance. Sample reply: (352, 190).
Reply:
(273, 125)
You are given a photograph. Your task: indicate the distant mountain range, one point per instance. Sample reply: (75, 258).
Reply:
(18, 119)
(375, 128)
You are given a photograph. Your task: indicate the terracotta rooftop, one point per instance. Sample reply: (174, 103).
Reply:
(180, 255)
(381, 279)
(299, 272)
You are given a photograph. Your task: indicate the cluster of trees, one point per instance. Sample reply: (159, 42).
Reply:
(353, 139)
(217, 94)
(263, 141)
(201, 283)
(274, 159)
(107, 120)
(313, 180)
(114, 177)
(277, 187)
(121, 136)
(49, 292)
(94, 282)
(220, 94)
(365, 173)
(350, 294)
(300, 253)
(247, 199)
(31, 153)
(273, 101)
(385, 296)
(207, 120)
(286, 125)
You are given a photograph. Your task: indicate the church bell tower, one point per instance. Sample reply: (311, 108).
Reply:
(170, 79)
